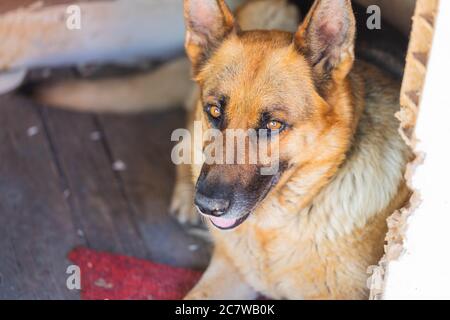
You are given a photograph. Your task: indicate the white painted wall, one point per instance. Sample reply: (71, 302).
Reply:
(423, 272)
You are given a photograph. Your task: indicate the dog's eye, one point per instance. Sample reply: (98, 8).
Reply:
(274, 125)
(214, 111)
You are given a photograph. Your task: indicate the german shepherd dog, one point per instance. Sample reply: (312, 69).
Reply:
(311, 230)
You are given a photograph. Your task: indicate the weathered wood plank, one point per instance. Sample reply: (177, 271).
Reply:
(95, 196)
(36, 227)
(143, 143)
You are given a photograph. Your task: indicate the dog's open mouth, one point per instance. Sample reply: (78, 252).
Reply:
(227, 223)
(248, 205)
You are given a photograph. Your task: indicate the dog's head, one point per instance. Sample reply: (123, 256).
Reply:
(295, 87)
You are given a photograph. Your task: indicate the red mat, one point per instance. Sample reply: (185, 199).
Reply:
(117, 277)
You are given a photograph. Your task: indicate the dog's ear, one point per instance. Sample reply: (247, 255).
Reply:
(208, 23)
(327, 38)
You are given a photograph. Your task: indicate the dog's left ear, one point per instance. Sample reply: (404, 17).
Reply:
(327, 38)
(208, 23)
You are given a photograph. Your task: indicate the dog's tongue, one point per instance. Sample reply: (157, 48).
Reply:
(223, 222)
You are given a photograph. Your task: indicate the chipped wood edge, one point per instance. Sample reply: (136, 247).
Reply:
(412, 87)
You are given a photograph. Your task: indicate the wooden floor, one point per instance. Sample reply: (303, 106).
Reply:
(59, 190)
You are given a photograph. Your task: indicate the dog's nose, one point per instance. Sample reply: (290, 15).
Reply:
(210, 206)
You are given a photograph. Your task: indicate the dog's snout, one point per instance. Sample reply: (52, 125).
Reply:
(211, 206)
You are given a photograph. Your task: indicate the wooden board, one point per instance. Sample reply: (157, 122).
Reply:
(36, 225)
(59, 190)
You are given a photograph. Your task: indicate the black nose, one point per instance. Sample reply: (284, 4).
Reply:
(210, 206)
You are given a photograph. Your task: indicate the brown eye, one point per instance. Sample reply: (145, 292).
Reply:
(215, 112)
(274, 125)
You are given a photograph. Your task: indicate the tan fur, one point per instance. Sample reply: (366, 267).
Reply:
(322, 249)
(323, 225)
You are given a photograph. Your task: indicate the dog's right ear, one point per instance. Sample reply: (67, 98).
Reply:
(208, 23)
(327, 38)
